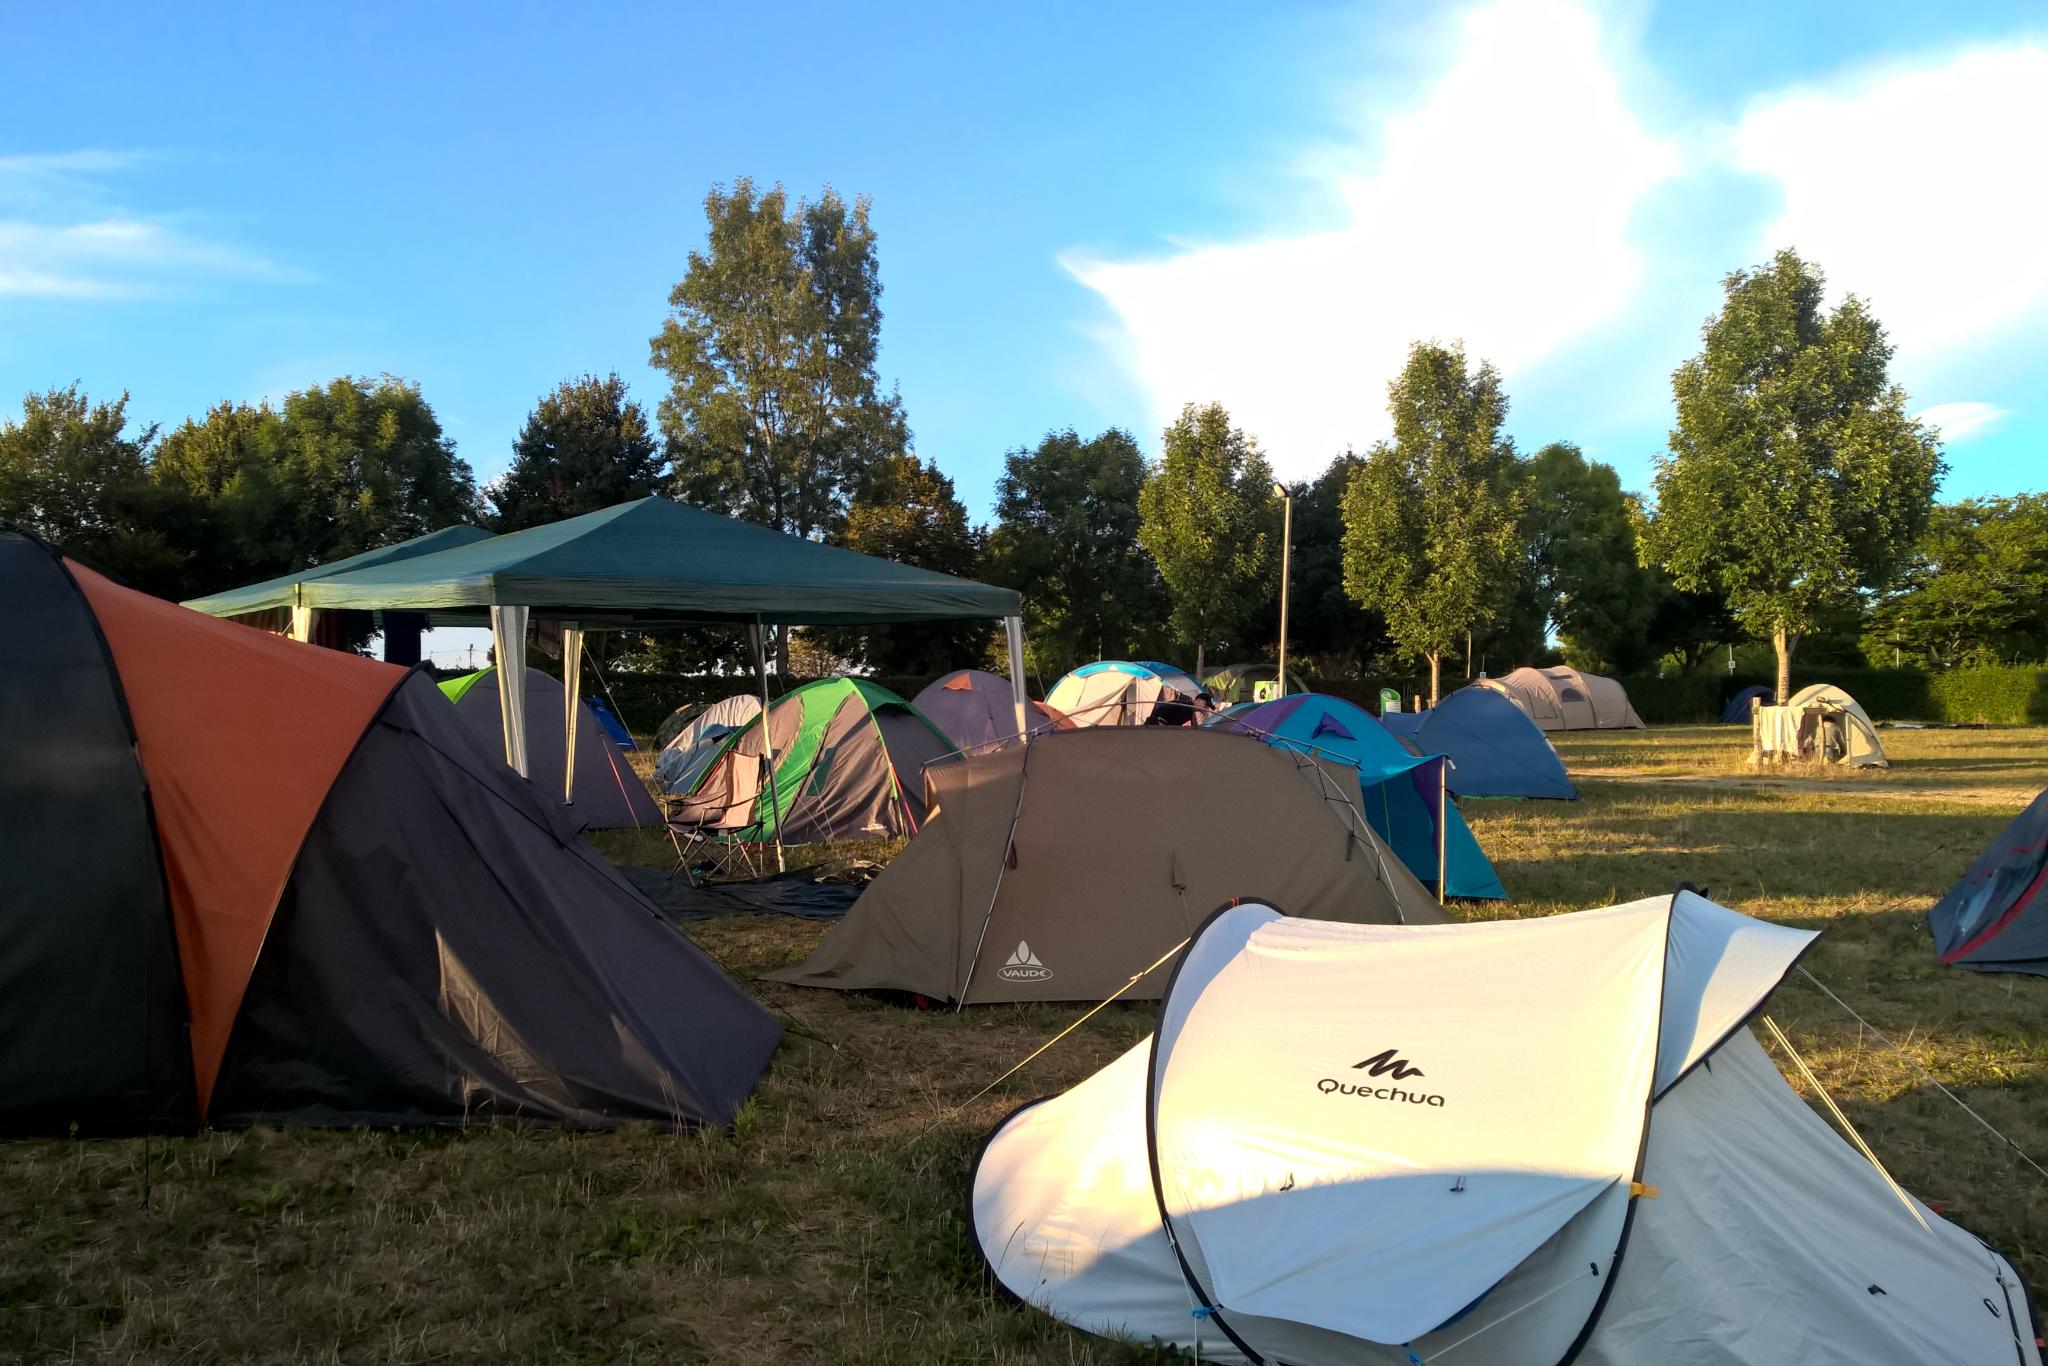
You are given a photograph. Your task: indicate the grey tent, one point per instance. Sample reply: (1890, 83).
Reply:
(1562, 698)
(1995, 919)
(978, 712)
(1821, 722)
(609, 794)
(1058, 870)
(697, 740)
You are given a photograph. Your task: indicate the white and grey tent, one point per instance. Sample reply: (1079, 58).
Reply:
(687, 753)
(1489, 1144)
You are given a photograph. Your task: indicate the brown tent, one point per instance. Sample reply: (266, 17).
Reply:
(1055, 871)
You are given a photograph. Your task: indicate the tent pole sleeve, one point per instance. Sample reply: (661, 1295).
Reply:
(508, 639)
(760, 642)
(572, 697)
(1013, 630)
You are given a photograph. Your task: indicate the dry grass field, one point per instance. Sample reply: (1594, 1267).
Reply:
(828, 1225)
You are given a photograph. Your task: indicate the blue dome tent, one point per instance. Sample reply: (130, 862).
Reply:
(1495, 749)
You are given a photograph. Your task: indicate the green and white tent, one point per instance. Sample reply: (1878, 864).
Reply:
(838, 759)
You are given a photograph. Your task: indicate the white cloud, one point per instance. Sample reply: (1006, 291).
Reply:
(60, 243)
(1919, 189)
(1498, 212)
(1962, 421)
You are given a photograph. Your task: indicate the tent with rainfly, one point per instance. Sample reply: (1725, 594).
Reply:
(849, 759)
(1064, 869)
(697, 739)
(1562, 698)
(978, 712)
(1490, 1144)
(1494, 748)
(609, 794)
(353, 913)
(1399, 790)
(1995, 919)
(1123, 692)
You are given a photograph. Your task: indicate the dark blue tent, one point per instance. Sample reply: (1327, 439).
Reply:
(1398, 789)
(1495, 749)
(1996, 918)
(1737, 711)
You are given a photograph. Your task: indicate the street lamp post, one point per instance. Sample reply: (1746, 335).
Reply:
(1286, 554)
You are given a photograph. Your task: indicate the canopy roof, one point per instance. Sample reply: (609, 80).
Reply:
(283, 591)
(655, 560)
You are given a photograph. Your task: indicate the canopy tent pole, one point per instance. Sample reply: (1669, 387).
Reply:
(302, 624)
(1013, 629)
(572, 697)
(508, 639)
(760, 642)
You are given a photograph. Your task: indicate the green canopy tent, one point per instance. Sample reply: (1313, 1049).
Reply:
(281, 598)
(651, 562)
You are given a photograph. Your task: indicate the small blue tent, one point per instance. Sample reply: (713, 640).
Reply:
(1996, 918)
(1737, 710)
(1495, 749)
(613, 726)
(1399, 789)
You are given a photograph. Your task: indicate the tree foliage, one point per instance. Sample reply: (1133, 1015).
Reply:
(1975, 588)
(1208, 517)
(906, 511)
(1582, 537)
(773, 412)
(1795, 479)
(1066, 536)
(585, 446)
(1327, 631)
(1431, 518)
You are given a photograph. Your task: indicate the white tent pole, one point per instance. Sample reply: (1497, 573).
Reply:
(302, 624)
(1013, 628)
(508, 638)
(572, 697)
(760, 640)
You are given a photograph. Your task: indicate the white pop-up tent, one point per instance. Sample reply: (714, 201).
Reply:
(1487, 1144)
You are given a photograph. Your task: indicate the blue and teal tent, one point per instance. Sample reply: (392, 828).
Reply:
(1494, 748)
(1399, 790)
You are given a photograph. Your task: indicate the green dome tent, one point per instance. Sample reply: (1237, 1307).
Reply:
(848, 763)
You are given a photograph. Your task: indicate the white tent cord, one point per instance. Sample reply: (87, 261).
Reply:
(1033, 1056)
(1843, 1120)
(1931, 1079)
(1449, 1348)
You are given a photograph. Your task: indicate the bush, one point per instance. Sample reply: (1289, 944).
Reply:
(1999, 696)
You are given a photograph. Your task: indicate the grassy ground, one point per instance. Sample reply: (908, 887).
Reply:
(828, 1226)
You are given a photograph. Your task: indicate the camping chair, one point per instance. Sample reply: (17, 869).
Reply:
(715, 819)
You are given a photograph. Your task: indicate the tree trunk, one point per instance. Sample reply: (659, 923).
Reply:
(1435, 676)
(1784, 643)
(1198, 661)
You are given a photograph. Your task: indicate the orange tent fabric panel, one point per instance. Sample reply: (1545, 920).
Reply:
(240, 735)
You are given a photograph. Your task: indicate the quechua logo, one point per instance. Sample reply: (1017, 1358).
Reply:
(1386, 1063)
(1023, 966)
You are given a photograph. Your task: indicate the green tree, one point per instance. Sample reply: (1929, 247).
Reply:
(1795, 479)
(1066, 536)
(906, 510)
(1581, 531)
(773, 413)
(232, 462)
(585, 446)
(1431, 518)
(1975, 585)
(73, 473)
(1208, 517)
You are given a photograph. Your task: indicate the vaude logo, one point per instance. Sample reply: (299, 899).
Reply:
(1380, 1064)
(1023, 966)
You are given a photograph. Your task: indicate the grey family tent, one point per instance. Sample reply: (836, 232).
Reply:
(978, 712)
(1062, 869)
(1122, 692)
(1562, 698)
(1494, 748)
(1822, 723)
(1736, 713)
(609, 794)
(697, 740)
(1489, 1144)
(848, 764)
(1995, 919)
(254, 882)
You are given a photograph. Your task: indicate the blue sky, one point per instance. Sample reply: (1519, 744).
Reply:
(1087, 215)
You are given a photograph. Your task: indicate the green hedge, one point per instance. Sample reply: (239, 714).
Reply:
(2004, 696)
(645, 700)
